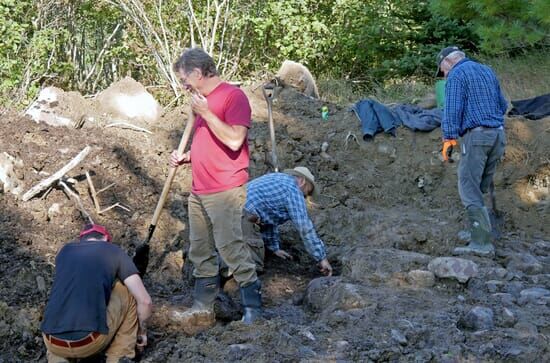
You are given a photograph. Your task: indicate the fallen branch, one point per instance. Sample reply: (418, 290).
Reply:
(44, 184)
(94, 194)
(76, 198)
(125, 125)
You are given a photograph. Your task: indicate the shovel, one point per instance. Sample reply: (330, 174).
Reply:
(268, 91)
(141, 257)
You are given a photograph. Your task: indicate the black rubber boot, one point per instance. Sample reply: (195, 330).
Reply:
(251, 299)
(480, 231)
(205, 292)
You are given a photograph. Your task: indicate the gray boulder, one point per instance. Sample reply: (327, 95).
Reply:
(453, 267)
(478, 318)
(362, 263)
(328, 294)
(534, 295)
(421, 278)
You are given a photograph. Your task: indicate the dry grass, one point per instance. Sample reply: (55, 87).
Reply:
(521, 77)
(524, 76)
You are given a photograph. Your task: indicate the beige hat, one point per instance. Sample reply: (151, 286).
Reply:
(305, 173)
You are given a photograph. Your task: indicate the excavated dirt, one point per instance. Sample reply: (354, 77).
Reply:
(387, 208)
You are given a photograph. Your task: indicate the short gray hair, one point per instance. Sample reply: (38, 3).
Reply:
(192, 58)
(456, 55)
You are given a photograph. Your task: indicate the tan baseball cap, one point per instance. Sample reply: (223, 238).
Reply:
(305, 173)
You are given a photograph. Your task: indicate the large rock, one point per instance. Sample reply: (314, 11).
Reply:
(128, 101)
(9, 180)
(524, 262)
(361, 263)
(298, 76)
(421, 278)
(327, 294)
(453, 267)
(56, 107)
(534, 295)
(478, 318)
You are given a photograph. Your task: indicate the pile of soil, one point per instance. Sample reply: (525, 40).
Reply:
(388, 209)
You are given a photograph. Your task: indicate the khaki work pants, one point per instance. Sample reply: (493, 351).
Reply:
(215, 224)
(122, 322)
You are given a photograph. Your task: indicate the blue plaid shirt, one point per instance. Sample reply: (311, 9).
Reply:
(472, 98)
(276, 198)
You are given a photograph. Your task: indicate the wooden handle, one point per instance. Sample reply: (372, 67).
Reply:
(268, 95)
(181, 148)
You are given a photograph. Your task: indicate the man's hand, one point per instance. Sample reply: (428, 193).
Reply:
(325, 267)
(199, 104)
(141, 341)
(447, 151)
(283, 254)
(176, 161)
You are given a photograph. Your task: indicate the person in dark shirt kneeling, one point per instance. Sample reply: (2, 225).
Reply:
(97, 302)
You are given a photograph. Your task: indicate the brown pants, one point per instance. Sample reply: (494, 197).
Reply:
(215, 224)
(120, 341)
(253, 238)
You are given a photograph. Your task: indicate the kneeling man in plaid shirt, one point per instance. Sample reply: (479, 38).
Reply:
(275, 198)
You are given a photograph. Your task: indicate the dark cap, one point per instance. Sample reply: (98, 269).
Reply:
(89, 228)
(444, 53)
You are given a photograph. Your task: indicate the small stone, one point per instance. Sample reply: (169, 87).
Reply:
(504, 298)
(342, 345)
(478, 318)
(308, 334)
(514, 288)
(513, 352)
(421, 278)
(398, 337)
(239, 351)
(526, 329)
(40, 283)
(54, 210)
(453, 267)
(508, 317)
(534, 295)
(461, 298)
(494, 286)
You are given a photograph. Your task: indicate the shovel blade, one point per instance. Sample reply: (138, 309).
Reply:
(141, 258)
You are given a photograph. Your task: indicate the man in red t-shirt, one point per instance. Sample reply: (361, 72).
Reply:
(219, 163)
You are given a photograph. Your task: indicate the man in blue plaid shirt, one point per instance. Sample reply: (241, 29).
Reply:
(275, 198)
(474, 111)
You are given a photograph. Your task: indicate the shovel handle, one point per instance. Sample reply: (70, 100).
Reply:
(268, 95)
(172, 172)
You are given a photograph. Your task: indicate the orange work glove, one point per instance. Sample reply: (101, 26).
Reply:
(447, 150)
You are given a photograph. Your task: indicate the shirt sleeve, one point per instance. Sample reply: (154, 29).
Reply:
(298, 215)
(503, 101)
(126, 267)
(270, 236)
(454, 107)
(237, 110)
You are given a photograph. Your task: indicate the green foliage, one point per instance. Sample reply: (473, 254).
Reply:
(503, 26)
(87, 44)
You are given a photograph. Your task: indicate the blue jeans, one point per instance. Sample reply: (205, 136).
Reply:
(481, 150)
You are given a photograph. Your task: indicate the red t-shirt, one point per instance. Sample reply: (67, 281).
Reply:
(215, 166)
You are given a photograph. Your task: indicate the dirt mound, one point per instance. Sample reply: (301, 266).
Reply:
(124, 103)
(390, 202)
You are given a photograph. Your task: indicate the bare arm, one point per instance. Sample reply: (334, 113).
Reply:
(231, 136)
(144, 303)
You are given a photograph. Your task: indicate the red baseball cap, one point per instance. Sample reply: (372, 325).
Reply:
(89, 228)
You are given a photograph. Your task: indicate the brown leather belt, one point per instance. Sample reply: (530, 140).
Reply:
(72, 343)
